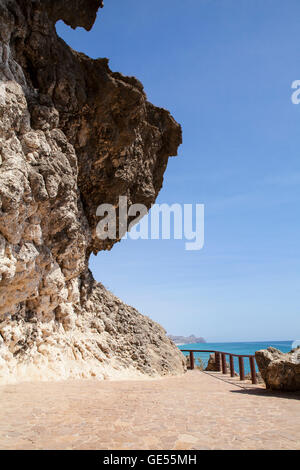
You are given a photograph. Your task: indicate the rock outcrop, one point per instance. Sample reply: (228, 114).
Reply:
(280, 371)
(73, 135)
(212, 366)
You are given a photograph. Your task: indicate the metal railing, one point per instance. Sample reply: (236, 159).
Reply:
(220, 359)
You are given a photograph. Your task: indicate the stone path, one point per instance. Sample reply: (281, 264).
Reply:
(245, 384)
(195, 411)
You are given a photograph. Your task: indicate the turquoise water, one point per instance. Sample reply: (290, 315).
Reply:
(236, 348)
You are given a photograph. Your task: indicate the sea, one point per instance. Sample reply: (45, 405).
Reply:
(235, 348)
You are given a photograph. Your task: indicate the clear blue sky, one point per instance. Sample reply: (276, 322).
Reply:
(224, 69)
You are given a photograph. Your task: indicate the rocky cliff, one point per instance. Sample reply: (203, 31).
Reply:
(73, 135)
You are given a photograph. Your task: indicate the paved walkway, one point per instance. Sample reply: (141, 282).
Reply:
(195, 411)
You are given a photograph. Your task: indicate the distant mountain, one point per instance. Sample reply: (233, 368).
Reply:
(192, 339)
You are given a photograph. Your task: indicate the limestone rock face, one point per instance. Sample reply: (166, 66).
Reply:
(279, 371)
(73, 135)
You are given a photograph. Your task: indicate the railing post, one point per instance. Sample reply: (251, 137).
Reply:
(218, 361)
(231, 366)
(224, 365)
(253, 371)
(242, 368)
(192, 360)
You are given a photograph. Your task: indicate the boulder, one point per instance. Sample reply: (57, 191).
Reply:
(280, 371)
(212, 365)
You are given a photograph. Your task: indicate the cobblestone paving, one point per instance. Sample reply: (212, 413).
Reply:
(195, 411)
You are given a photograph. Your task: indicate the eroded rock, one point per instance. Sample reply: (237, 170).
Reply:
(73, 135)
(212, 366)
(280, 371)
